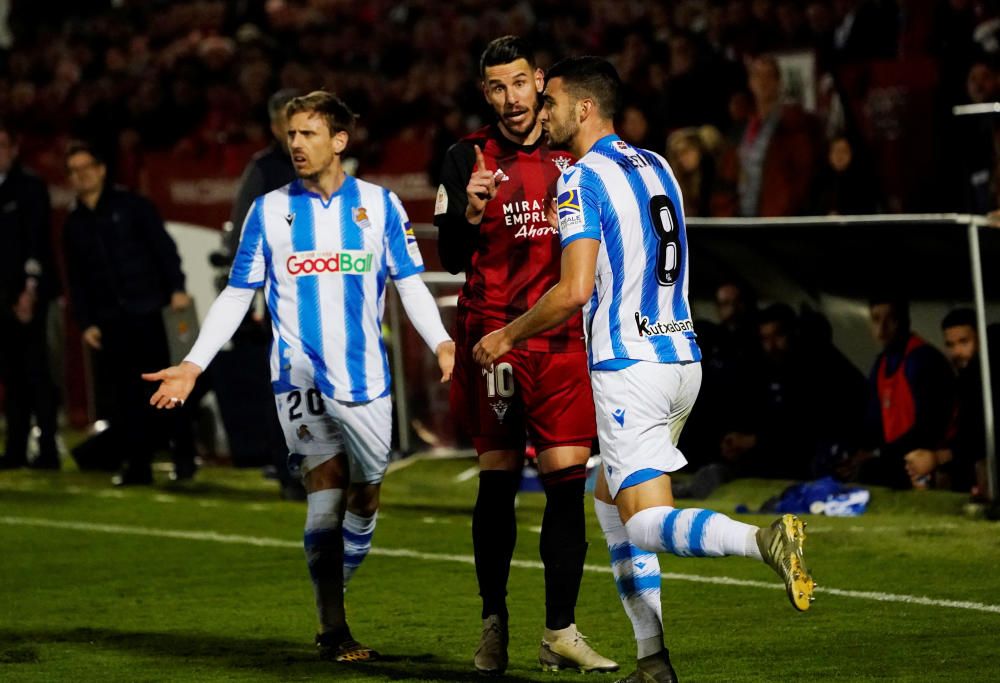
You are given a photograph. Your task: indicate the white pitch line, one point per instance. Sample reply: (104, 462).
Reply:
(467, 474)
(264, 542)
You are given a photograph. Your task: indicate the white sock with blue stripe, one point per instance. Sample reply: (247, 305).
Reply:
(637, 574)
(692, 532)
(358, 532)
(324, 549)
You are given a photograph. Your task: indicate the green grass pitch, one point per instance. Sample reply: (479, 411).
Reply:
(208, 583)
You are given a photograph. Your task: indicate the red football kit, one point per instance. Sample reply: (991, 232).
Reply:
(541, 388)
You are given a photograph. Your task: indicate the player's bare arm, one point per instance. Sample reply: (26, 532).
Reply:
(176, 384)
(481, 189)
(574, 289)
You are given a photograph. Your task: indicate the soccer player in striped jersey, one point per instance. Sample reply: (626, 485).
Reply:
(625, 262)
(491, 213)
(322, 247)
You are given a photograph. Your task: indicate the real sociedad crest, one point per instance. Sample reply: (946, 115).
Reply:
(360, 214)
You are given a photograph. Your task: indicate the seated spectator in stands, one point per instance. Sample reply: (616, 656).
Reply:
(804, 402)
(844, 185)
(961, 465)
(730, 351)
(911, 399)
(779, 151)
(691, 157)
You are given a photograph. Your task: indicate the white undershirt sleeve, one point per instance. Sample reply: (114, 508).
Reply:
(422, 310)
(221, 323)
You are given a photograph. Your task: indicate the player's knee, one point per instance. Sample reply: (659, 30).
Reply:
(363, 499)
(644, 529)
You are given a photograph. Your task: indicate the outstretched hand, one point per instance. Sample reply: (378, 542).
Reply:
(176, 384)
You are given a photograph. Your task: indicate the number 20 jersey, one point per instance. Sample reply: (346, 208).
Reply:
(628, 200)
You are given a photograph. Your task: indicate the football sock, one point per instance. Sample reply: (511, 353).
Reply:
(563, 543)
(358, 532)
(637, 574)
(494, 533)
(691, 532)
(324, 548)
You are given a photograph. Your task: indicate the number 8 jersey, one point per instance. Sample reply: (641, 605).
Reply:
(628, 200)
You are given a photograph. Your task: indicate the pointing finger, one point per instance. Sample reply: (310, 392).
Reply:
(480, 161)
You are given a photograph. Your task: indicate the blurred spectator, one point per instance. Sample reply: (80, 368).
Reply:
(974, 151)
(730, 350)
(866, 29)
(634, 126)
(123, 269)
(911, 398)
(28, 283)
(269, 169)
(960, 466)
(779, 149)
(799, 403)
(845, 186)
(691, 154)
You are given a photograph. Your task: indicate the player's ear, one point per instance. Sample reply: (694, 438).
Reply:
(584, 109)
(340, 140)
(539, 80)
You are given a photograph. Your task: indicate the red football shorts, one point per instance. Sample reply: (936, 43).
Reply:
(545, 397)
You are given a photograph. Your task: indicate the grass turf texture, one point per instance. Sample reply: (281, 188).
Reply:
(83, 604)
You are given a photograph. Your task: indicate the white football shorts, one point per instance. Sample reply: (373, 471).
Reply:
(641, 411)
(317, 428)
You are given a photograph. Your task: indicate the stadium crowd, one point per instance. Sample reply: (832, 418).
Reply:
(707, 85)
(193, 75)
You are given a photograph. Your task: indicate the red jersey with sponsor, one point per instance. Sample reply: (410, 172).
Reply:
(515, 256)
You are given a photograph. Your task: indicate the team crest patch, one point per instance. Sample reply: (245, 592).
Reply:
(361, 217)
(500, 408)
(562, 162)
(304, 434)
(441, 202)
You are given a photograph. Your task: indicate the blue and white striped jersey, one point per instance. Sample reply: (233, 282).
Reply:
(628, 199)
(323, 266)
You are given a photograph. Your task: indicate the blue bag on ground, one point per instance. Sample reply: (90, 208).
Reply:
(825, 496)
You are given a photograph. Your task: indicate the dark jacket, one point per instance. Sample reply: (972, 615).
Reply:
(120, 259)
(25, 237)
(269, 169)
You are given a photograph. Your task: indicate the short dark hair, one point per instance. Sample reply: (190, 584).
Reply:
(899, 304)
(276, 103)
(592, 77)
(335, 112)
(958, 317)
(504, 50)
(75, 147)
(780, 313)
